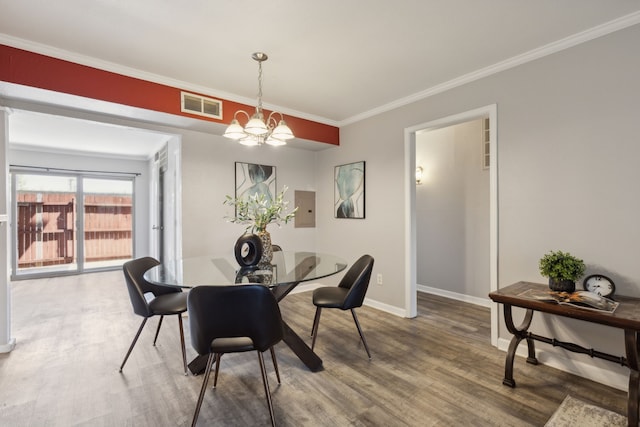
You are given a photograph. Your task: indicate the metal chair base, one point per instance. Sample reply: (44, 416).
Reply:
(135, 340)
(316, 323)
(265, 381)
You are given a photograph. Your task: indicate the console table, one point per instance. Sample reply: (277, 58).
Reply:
(626, 317)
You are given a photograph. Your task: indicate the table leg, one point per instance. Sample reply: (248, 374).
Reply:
(301, 349)
(198, 365)
(519, 333)
(632, 347)
(293, 340)
(282, 291)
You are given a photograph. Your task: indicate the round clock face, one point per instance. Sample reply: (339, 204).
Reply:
(600, 285)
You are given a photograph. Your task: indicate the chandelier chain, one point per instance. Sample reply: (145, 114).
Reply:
(259, 107)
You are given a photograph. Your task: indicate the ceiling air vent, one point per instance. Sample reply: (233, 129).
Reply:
(196, 104)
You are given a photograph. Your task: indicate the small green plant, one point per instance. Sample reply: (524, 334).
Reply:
(258, 210)
(560, 265)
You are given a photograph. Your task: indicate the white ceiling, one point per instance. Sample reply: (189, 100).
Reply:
(52, 133)
(333, 61)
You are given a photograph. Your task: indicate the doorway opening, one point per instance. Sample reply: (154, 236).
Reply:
(490, 113)
(452, 207)
(66, 145)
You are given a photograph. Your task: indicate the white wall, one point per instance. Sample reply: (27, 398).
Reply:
(208, 175)
(567, 170)
(7, 342)
(452, 210)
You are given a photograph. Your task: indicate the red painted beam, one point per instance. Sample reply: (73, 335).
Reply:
(45, 72)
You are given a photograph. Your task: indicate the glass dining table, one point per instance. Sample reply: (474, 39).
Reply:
(282, 275)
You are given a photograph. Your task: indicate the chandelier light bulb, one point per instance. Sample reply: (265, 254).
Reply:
(234, 130)
(282, 131)
(256, 126)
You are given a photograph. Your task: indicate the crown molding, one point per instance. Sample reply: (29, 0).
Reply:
(100, 64)
(549, 49)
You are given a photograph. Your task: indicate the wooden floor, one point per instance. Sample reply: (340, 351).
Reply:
(438, 369)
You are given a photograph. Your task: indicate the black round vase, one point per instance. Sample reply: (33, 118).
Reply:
(562, 285)
(248, 250)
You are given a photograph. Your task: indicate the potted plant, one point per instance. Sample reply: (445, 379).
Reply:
(562, 269)
(258, 211)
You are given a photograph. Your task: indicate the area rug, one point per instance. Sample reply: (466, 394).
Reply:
(575, 412)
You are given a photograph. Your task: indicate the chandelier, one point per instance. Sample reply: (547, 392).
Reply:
(259, 131)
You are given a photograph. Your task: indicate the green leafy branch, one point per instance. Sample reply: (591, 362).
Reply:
(258, 211)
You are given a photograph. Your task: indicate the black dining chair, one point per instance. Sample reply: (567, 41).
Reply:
(233, 319)
(348, 295)
(150, 300)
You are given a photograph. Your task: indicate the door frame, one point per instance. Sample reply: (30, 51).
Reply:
(171, 206)
(490, 111)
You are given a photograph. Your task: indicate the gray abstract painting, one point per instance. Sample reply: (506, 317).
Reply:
(349, 190)
(252, 179)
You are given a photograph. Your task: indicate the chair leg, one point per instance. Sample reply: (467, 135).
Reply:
(184, 351)
(205, 380)
(157, 331)
(215, 376)
(135, 339)
(265, 381)
(275, 363)
(314, 329)
(355, 318)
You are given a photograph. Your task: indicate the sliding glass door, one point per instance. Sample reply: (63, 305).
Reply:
(70, 223)
(108, 222)
(44, 223)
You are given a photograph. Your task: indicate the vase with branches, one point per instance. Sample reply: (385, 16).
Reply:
(258, 211)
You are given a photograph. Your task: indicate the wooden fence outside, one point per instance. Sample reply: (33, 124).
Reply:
(46, 228)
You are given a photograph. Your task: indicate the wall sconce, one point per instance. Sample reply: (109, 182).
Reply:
(419, 175)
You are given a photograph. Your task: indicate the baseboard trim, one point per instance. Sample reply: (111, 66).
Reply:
(367, 301)
(398, 311)
(484, 302)
(617, 377)
(385, 307)
(8, 347)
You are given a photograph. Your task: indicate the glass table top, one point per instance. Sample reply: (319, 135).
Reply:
(286, 268)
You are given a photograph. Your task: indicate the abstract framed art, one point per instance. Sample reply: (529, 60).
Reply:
(252, 179)
(349, 190)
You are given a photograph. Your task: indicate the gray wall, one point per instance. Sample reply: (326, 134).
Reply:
(452, 211)
(568, 127)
